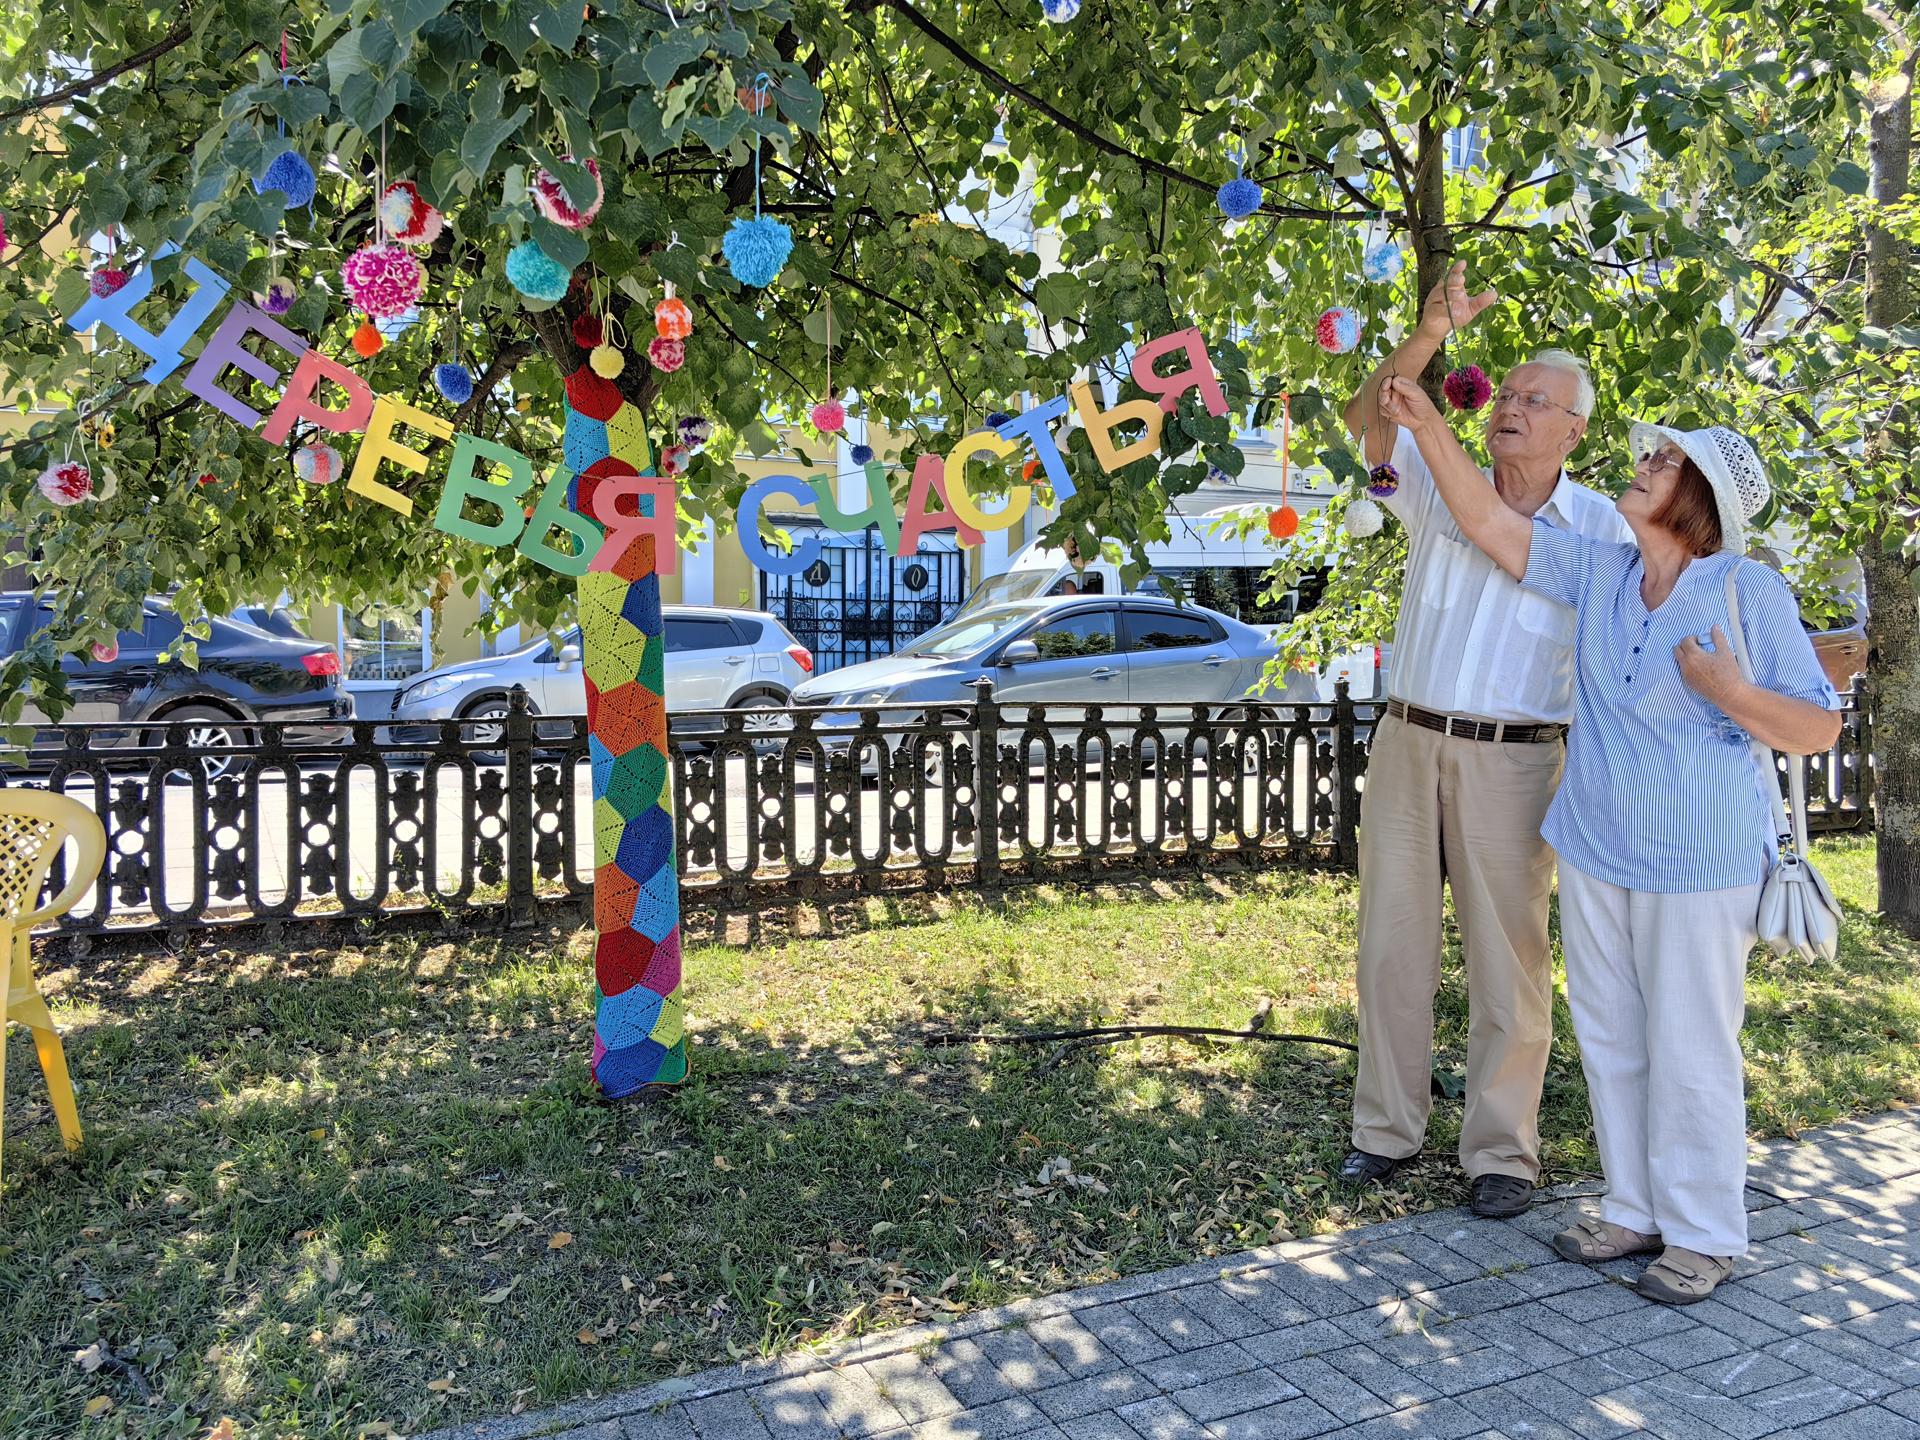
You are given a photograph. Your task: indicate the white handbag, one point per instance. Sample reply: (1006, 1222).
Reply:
(1797, 908)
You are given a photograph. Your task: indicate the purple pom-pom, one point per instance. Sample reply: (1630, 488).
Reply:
(279, 296)
(454, 382)
(1467, 387)
(1239, 198)
(695, 431)
(1382, 481)
(862, 454)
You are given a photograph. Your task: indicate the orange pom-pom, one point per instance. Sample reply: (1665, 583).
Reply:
(367, 340)
(1283, 523)
(673, 319)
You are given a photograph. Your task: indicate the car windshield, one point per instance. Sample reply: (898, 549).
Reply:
(1003, 589)
(966, 634)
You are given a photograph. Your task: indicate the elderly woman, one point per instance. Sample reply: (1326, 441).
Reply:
(1662, 824)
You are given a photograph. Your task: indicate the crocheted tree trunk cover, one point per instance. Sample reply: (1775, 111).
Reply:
(639, 1032)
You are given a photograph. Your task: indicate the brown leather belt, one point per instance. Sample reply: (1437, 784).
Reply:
(1499, 730)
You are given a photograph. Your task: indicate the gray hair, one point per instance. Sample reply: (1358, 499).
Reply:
(1568, 363)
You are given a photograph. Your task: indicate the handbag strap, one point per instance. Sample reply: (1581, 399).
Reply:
(1792, 833)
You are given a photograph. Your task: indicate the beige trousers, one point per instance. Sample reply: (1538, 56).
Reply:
(1467, 812)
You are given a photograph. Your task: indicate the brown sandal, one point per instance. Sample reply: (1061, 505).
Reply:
(1682, 1276)
(1591, 1241)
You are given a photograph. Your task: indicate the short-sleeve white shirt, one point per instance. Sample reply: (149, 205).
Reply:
(1471, 640)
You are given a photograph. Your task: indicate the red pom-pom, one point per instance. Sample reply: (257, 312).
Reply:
(587, 330)
(829, 417)
(209, 478)
(106, 651)
(106, 280)
(1283, 522)
(1467, 388)
(667, 355)
(367, 340)
(1027, 470)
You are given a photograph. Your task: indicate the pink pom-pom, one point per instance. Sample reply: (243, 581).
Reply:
(383, 280)
(106, 280)
(829, 417)
(667, 355)
(1467, 388)
(3, 232)
(674, 459)
(409, 218)
(550, 198)
(106, 651)
(67, 483)
(1338, 330)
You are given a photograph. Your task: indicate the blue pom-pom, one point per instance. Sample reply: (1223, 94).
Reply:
(862, 454)
(1382, 262)
(997, 418)
(1239, 198)
(293, 176)
(454, 382)
(757, 249)
(536, 275)
(1059, 12)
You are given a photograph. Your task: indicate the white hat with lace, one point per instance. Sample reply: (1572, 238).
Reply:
(1740, 488)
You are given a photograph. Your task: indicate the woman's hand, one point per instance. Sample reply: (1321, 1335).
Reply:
(1403, 402)
(1712, 674)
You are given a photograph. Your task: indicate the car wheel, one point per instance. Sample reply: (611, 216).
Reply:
(486, 725)
(766, 720)
(212, 735)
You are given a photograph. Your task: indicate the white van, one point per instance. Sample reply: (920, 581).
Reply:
(1212, 567)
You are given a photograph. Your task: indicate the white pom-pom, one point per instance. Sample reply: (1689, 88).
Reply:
(1364, 518)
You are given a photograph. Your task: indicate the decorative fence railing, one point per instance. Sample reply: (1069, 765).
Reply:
(484, 829)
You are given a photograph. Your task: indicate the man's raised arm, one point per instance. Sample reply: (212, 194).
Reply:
(1447, 308)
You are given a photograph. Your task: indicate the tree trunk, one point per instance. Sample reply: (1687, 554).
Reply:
(639, 1037)
(1893, 626)
(1432, 241)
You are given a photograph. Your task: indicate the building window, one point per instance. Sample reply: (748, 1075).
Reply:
(378, 650)
(1466, 148)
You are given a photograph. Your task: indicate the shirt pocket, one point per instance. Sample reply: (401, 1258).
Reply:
(1447, 573)
(1548, 618)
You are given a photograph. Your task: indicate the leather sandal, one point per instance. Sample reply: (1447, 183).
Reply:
(1683, 1277)
(1500, 1197)
(1592, 1241)
(1365, 1168)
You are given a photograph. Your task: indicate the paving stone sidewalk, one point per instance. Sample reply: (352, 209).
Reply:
(1443, 1326)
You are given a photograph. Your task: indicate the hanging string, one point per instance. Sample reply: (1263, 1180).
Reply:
(380, 189)
(762, 84)
(830, 391)
(1286, 437)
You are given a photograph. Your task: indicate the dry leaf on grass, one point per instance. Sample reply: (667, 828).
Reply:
(494, 1297)
(559, 1240)
(440, 1387)
(587, 1337)
(99, 1405)
(222, 1429)
(93, 1357)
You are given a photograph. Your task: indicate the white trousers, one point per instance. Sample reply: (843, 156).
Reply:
(1657, 987)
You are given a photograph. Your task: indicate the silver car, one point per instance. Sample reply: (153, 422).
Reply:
(716, 659)
(1119, 652)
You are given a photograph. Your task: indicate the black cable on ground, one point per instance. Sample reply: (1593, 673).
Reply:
(1088, 1036)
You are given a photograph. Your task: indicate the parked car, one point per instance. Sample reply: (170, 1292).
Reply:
(1119, 652)
(244, 676)
(716, 659)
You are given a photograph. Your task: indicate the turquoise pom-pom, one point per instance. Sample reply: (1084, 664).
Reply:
(757, 249)
(291, 175)
(1239, 198)
(535, 274)
(454, 382)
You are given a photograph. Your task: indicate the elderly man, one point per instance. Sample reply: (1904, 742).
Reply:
(1462, 768)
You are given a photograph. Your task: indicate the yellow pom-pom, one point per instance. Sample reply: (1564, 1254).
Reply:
(607, 361)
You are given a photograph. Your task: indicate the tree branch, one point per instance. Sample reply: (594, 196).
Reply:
(174, 40)
(504, 359)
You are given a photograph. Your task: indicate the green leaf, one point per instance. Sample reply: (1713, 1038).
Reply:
(410, 16)
(672, 50)
(567, 247)
(718, 131)
(559, 25)
(368, 102)
(1848, 177)
(300, 104)
(800, 100)
(489, 129)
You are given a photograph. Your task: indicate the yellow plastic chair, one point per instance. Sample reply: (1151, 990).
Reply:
(34, 825)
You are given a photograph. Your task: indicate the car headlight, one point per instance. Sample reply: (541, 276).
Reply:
(866, 697)
(431, 688)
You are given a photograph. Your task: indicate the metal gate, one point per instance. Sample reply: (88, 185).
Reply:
(858, 601)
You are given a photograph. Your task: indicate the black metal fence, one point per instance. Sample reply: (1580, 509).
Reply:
(475, 830)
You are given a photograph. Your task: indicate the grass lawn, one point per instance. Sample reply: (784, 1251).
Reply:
(330, 1192)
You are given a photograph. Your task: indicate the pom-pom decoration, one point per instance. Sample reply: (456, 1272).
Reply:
(756, 250)
(208, 478)
(1059, 12)
(1382, 481)
(454, 382)
(67, 483)
(292, 176)
(1338, 330)
(588, 331)
(1284, 523)
(672, 320)
(279, 296)
(997, 418)
(1217, 476)
(608, 362)
(862, 454)
(667, 355)
(105, 281)
(1239, 197)
(550, 198)
(317, 464)
(695, 431)
(829, 417)
(383, 280)
(368, 341)
(106, 651)
(1383, 262)
(674, 460)
(407, 217)
(1364, 518)
(1029, 470)
(1467, 387)
(535, 274)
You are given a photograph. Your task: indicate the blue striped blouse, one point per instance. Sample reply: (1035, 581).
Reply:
(1661, 792)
